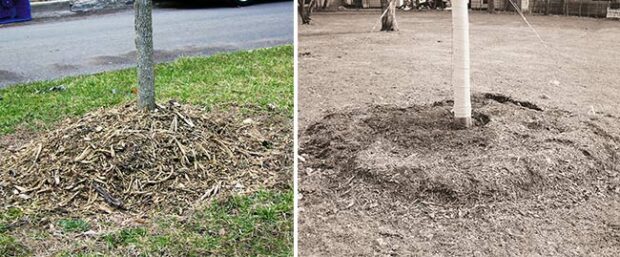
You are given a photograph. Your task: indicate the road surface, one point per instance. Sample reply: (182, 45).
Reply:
(96, 43)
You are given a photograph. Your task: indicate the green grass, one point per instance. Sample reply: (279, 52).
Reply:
(256, 225)
(7, 217)
(260, 77)
(124, 237)
(10, 247)
(259, 225)
(73, 225)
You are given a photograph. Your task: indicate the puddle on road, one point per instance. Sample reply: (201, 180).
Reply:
(162, 55)
(6, 75)
(64, 67)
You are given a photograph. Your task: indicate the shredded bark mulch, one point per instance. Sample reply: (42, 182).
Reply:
(405, 181)
(128, 159)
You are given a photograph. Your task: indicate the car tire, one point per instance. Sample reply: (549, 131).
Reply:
(243, 2)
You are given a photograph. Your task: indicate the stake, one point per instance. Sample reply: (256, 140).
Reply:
(460, 64)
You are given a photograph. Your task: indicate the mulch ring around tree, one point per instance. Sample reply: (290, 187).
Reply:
(127, 159)
(413, 171)
(514, 149)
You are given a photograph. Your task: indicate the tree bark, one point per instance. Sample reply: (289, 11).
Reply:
(388, 20)
(144, 46)
(440, 4)
(304, 11)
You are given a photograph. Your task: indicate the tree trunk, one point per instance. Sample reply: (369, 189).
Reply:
(304, 11)
(144, 46)
(440, 4)
(460, 63)
(388, 20)
(491, 6)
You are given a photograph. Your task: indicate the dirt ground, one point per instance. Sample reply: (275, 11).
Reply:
(385, 173)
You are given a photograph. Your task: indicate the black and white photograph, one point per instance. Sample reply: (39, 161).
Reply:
(459, 128)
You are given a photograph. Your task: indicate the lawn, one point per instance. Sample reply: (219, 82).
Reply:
(255, 224)
(262, 78)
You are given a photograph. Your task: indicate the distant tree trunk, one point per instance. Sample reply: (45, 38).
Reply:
(144, 46)
(388, 21)
(491, 6)
(304, 11)
(440, 4)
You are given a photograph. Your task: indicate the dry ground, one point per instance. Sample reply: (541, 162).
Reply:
(385, 174)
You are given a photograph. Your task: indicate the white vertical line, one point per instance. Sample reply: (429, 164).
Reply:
(460, 63)
(295, 132)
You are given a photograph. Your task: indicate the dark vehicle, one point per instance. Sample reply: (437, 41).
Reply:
(203, 3)
(243, 2)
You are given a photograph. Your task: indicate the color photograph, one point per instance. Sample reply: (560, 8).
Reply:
(146, 129)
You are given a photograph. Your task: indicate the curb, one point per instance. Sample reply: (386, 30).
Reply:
(64, 8)
(51, 6)
(51, 9)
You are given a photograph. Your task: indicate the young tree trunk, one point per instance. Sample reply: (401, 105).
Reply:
(460, 63)
(388, 20)
(491, 6)
(304, 11)
(144, 46)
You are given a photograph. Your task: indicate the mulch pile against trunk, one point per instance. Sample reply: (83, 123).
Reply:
(128, 159)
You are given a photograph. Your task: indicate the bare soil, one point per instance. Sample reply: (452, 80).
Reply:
(385, 173)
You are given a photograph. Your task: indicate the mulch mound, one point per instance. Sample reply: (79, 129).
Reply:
(438, 189)
(128, 159)
(514, 149)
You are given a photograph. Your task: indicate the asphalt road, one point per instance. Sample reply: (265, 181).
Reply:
(96, 43)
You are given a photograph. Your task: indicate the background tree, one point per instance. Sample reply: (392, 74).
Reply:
(491, 6)
(144, 46)
(388, 15)
(305, 10)
(325, 4)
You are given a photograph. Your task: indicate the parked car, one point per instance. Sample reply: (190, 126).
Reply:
(243, 2)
